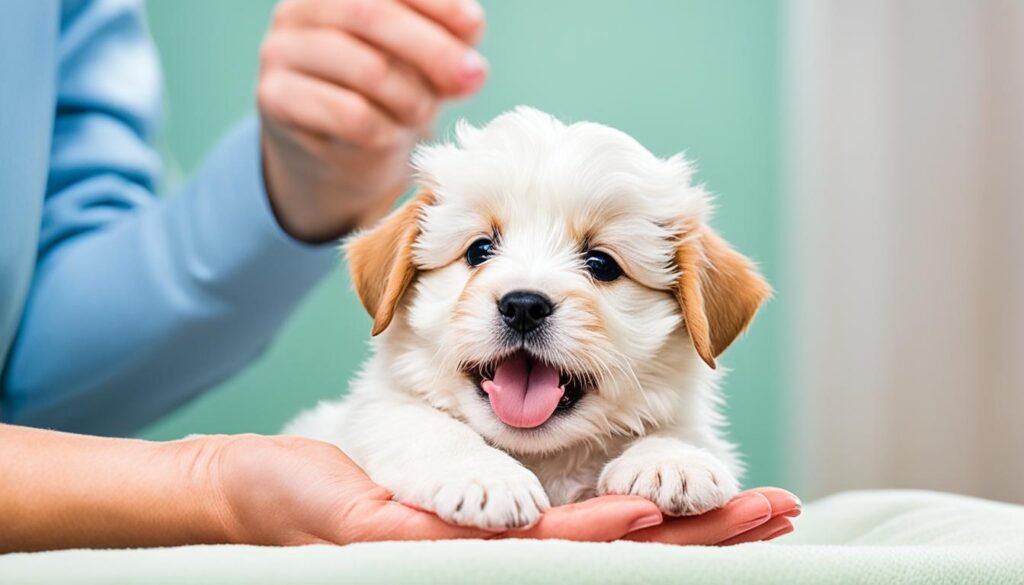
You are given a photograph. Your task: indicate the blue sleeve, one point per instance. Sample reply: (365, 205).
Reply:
(138, 303)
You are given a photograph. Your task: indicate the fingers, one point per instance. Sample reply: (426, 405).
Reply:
(743, 513)
(784, 506)
(464, 18)
(758, 514)
(403, 523)
(773, 528)
(368, 72)
(375, 520)
(749, 517)
(318, 107)
(600, 519)
(452, 66)
(783, 502)
(343, 60)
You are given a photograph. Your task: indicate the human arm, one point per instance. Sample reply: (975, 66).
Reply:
(138, 303)
(62, 490)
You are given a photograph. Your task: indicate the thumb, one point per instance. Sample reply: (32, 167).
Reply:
(600, 519)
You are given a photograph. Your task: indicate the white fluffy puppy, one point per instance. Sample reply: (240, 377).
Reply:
(547, 312)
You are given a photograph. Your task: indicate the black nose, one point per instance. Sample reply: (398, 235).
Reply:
(523, 310)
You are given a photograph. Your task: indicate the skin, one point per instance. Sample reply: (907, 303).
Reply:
(63, 490)
(346, 89)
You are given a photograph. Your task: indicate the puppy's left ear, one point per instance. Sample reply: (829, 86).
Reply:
(381, 260)
(719, 291)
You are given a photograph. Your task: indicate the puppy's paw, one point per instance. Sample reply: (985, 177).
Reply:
(491, 496)
(683, 483)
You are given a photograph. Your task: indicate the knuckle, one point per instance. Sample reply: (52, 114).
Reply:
(370, 72)
(420, 111)
(271, 51)
(283, 13)
(362, 13)
(451, 12)
(451, 9)
(269, 94)
(358, 121)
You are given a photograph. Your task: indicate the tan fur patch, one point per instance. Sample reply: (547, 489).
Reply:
(590, 309)
(464, 294)
(719, 291)
(381, 260)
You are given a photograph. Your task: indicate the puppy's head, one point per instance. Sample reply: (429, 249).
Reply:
(552, 284)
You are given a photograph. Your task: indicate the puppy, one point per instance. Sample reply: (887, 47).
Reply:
(547, 313)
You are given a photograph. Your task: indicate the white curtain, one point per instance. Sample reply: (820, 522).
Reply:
(907, 190)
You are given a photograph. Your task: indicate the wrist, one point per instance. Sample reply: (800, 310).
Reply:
(200, 461)
(316, 202)
(176, 501)
(302, 220)
(235, 496)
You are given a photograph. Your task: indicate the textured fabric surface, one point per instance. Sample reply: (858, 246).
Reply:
(858, 537)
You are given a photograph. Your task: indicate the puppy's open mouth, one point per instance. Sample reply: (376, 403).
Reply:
(525, 392)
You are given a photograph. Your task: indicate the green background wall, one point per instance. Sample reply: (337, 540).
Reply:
(700, 76)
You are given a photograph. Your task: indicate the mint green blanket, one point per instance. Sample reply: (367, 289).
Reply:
(858, 537)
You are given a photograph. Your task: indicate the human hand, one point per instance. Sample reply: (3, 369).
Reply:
(288, 490)
(754, 515)
(346, 88)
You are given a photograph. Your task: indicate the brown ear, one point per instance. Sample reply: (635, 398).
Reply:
(381, 260)
(719, 290)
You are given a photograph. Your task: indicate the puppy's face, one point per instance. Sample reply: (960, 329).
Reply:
(560, 273)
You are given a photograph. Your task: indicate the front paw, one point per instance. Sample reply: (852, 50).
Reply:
(496, 496)
(685, 483)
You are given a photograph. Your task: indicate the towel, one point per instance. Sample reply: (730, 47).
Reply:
(868, 537)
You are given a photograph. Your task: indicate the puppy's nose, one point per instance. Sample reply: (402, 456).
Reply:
(524, 310)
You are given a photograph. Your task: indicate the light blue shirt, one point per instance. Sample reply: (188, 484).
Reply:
(116, 306)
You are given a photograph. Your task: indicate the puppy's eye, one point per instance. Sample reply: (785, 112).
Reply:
(479, 251)
(602, 266)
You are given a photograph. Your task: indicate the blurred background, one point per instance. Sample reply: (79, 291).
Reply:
(867, 155)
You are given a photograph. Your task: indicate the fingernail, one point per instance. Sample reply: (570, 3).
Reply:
(796, 509)
(789, 510)
(473, 66)
(646, 522)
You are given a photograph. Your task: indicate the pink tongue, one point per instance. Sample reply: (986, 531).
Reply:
(524, 393)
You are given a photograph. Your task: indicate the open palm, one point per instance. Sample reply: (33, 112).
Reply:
(287, 490)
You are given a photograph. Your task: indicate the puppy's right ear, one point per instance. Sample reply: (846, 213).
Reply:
(381, 260)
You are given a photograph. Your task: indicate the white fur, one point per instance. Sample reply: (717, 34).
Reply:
(651, 427)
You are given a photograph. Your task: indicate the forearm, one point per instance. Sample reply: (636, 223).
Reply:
(62, 490)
